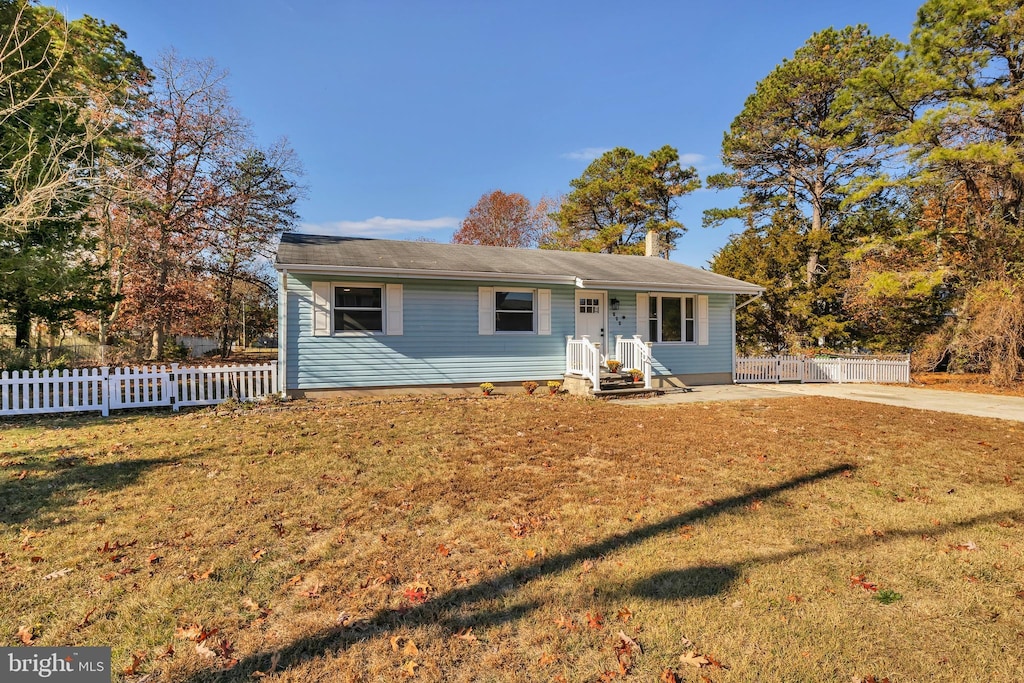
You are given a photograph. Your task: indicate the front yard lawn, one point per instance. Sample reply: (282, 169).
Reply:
(520, 538)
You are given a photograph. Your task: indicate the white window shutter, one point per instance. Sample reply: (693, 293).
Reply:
(643, 316)
(393, 307)
(321, 312)
(702, 320)
(485, 306)
(543, 311)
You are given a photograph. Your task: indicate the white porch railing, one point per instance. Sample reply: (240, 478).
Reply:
(583, 358)
(839, 370)
(106, 389)
(635, 353)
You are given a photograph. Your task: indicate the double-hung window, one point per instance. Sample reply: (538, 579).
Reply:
(358, 309)
(514, 310)
(673, 318)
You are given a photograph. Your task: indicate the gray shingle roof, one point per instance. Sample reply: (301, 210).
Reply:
(357, 255)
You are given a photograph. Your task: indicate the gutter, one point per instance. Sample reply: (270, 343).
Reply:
(282, 334)
(579, 283)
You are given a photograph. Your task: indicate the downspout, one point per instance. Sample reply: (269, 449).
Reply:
(282, 333)
(734, 338)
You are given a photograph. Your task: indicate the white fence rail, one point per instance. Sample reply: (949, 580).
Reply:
(583, 358)
(634, 353)
(840, 370)
(106, 389)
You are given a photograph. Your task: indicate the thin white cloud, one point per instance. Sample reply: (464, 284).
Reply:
(378, 226)
(586, 154)
(691, 159)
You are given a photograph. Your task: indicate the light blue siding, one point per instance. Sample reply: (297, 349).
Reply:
(684, 359)
(440, 345)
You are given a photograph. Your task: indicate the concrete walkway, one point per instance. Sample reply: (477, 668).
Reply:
(963, 403)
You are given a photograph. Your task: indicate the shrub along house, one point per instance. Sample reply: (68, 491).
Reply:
(378, 314)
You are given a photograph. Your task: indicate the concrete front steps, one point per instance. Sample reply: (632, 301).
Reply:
(613, 385)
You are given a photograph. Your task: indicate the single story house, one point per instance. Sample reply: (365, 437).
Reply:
(358, 314)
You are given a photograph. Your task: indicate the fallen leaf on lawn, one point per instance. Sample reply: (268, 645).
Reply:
(546, 659)
(415, 595)
(109, 577)
(858, 580)
(258, 554)
(294, 581)
(410, 649)
(443, 550)
(531, 553)
(85, 620)
(204, 651)
(169, 652)
(669, 676)
(133, 668)
(201, 576)
(467, 635)
(587, 566)
(57, 574)
(566, 622)
(275, 659)
(624, 615)
(686, 641)
(409, 668)
(970, 546)
(632, 644)
(25, 635)
(794, 598)
(693, 659)
(595, 621)
(715, 663)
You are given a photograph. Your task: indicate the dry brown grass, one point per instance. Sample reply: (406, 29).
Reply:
(969, 382)
(512, 539)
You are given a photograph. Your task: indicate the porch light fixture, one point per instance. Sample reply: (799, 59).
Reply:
(614, 304)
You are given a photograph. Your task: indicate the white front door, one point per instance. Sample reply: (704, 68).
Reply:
(592, 316)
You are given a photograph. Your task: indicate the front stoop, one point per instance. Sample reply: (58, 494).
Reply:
(613, 385)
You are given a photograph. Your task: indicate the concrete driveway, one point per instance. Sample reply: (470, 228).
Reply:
(980, 405)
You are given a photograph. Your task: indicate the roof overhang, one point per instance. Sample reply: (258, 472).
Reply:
(671, 287)
(429, 274)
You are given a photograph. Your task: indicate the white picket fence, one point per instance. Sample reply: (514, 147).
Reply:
(798, 369)
(105, 389)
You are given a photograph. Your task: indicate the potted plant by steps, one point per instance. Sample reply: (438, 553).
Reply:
(530, 387)
(553, 386)
(613, 365)
(487, 388)
(635, 374)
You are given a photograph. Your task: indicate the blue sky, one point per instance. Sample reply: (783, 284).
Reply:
(404, 113)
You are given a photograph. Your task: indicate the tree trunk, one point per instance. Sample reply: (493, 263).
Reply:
(22, 325)
(816, 237)
(225, 322)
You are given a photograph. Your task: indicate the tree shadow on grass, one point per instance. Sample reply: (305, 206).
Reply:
(447, 609)
(23, 501)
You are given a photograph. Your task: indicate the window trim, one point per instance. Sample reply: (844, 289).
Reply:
(658, 296)
(383, 309)
(534, 310)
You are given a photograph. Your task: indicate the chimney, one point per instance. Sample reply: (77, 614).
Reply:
(652, 245)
